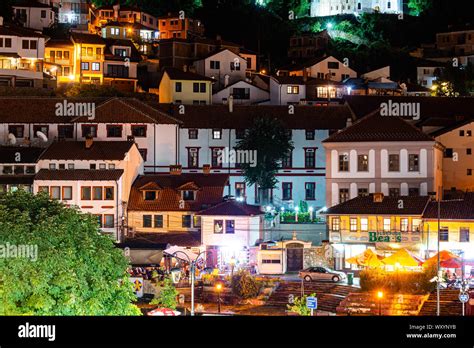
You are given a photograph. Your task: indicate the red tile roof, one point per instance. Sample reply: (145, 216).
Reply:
(243, 116)
(108, 110)
(456, 209)
(211, 191)
(389, 206)
(79, 175)
(76, 150)
(374, 127)
(233, 208)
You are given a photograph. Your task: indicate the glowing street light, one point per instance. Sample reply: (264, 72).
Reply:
(329, 25)
(380, 297)
(218, 290)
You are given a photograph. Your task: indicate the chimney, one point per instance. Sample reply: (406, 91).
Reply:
(231, 103)
(378, 197)
(1, 21)
(89, 142)
(116, 11)
(206, 169)
(175, 169)
(348, 122)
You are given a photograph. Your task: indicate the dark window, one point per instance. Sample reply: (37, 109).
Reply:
(117, 71)
(333, 65)
(33, 45)
(469, 172)
(448, 153)
(362, 192)
(121, 52)
(468, 151)
(196, 87)
(89, 131)
(310, 158)
(42, 129)
(17, 131)
(287, 162)
(393, 163)
(147, 221)
(108, 193)
(310, 134)
(241, 93)
(461, 133)
(158, 221)
(178, 87)
(215, 64)
(414, 191)
(413, 163)
(8, 43)
(150, 195)
(86, 193)
(444, 234)
(240, 189)
(362, 163)
(394, 192)
(287, 188)
(114, 131)
(139, 131)
(43, 13)
(187, 221)
(25, 44)
(202, 87)
(310, 191)
(343, 195)
(193, 133)
(65, 132)
(344, 163)
(464, 235)
(193, 157)
(188, 195)
(229, 226)
(216, 161)
(97, 193)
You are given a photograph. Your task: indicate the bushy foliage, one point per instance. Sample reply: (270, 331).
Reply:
(77, 271)
(168, 296)
(244, 285)
(299, 305)
(398, 281)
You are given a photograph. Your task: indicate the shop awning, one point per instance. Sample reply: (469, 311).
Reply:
(178, 252)
(145, 257)
(367, 259)
(447, 259)
(403, 258)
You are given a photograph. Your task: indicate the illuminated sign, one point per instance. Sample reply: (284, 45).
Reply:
(385, 237)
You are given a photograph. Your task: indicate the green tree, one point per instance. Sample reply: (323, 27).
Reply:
(417, 7)
(76, 271)
(168, 295)
(272, 142)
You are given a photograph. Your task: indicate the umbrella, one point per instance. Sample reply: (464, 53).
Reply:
(166, 312)
(367, 259)
(447, 259)
(403, 258)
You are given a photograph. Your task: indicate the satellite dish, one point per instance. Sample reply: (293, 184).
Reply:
(42, 136)
(12, 138)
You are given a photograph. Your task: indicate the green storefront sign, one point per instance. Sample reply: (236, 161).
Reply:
(385, 237)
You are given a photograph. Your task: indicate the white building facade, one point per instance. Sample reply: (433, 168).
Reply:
(322, 8)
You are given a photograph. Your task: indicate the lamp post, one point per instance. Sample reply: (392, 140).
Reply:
(193, 273)
(296, 213)
(219, 289)
(380, 297)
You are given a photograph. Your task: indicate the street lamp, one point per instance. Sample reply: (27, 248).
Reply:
(218, 290)
(380, 297)
(297, 209)
(193, 273)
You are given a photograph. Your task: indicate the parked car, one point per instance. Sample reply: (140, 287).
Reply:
(321, 273)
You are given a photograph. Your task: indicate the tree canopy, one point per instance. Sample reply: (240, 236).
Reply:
(77, 270)
(272, 142)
